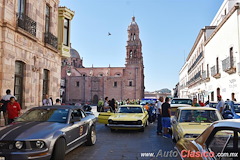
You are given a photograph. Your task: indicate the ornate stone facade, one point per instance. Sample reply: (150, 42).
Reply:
(23, 41)
(91, 84)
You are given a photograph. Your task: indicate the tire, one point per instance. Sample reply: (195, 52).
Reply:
(173, 139)
(112, 130)
(59, 150)
(146, 123)
(142, 129)
(91, 137)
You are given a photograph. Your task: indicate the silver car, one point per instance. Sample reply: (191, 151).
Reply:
(48, 132)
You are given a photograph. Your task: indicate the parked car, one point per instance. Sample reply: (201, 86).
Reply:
(126, 117)
(47, 132)
(190, 122)
(179, 102)
(221, 138)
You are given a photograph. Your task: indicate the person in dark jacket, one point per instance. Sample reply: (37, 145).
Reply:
(112, 104)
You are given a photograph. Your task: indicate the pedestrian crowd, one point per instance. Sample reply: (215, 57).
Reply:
(11, 109)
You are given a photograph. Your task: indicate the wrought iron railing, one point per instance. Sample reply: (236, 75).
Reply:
(26, 23)
(195, 62)
(50, 39)
(228, 63)
(194, 78)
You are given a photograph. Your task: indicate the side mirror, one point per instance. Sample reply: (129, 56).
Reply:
(108, 112)
(75, 119)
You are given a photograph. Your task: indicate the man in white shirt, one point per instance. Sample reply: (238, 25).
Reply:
(47, 101)
(220, 104)
(106, 105)
(159, 117)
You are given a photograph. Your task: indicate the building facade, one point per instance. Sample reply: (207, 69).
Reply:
(216, 69)
(30, 64)
(90, 84)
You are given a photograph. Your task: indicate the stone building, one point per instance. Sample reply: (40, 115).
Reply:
(80, 84)
(30, 64)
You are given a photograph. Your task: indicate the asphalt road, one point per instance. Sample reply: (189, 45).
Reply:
(126, 145)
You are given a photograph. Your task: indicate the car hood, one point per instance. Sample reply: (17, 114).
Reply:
(127, 116)
(193, 128)
(29, 130)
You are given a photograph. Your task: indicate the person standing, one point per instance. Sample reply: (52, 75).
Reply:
(5, 100)
(13, 110)
(113, 105)
(58, 102)
(194, 103)
(100, 105)
(106, 105)
(165, 111)
(159, 117)
(220, 104)
(47, 101)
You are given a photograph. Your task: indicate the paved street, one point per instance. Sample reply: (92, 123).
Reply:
(123, 145)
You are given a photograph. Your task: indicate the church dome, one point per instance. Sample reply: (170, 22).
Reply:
(74, 53)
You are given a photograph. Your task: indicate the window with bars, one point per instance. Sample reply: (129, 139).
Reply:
(45, 81)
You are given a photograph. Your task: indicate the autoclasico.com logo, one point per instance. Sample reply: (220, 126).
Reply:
(187, 154)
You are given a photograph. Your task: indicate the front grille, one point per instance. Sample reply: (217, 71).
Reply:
(125, 122)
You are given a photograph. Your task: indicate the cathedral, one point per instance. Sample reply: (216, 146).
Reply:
(81, 84)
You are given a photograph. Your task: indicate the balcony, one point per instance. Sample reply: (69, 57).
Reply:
(195, 62)
(50, 39)
(229, 65)
(205, 76)
(215, 73)
(194, 79)
(26, 23)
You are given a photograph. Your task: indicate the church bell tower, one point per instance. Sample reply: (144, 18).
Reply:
(134, 45)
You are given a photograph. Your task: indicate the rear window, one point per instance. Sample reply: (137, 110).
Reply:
(181, 101)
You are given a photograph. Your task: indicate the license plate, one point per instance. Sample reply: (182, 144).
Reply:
(2, 158)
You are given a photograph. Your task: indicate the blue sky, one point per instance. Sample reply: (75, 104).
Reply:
(168, 29)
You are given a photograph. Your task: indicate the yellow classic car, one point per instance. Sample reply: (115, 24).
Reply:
(220, 141)
(190, 122)
(126, 117)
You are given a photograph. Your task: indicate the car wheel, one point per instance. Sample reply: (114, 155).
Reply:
(92, 137)
(173, 139)
(112, 130)
(142, 129)
(59, 150)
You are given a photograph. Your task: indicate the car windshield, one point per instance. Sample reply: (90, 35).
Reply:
(130, 110)
(207, 116)
(236, 108)
(45, 115)
(181, 101)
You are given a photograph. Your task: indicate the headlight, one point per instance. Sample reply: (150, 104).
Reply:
(110, 121)
(40, 144)
(19, 145)
(139, 122)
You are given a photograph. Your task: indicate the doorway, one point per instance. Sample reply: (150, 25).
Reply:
(95, 99)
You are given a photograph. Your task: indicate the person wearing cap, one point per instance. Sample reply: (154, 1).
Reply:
(220, 104)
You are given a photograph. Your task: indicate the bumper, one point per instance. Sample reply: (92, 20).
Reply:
(124, 126)
(25, 155)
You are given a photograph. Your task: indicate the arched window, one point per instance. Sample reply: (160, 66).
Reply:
(130, 54)
(135, 53)
(134, 36)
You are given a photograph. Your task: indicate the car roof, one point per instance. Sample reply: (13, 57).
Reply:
(130, 105)
(58, 107)
(196, 108)
(235, 123)
(181, 98)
